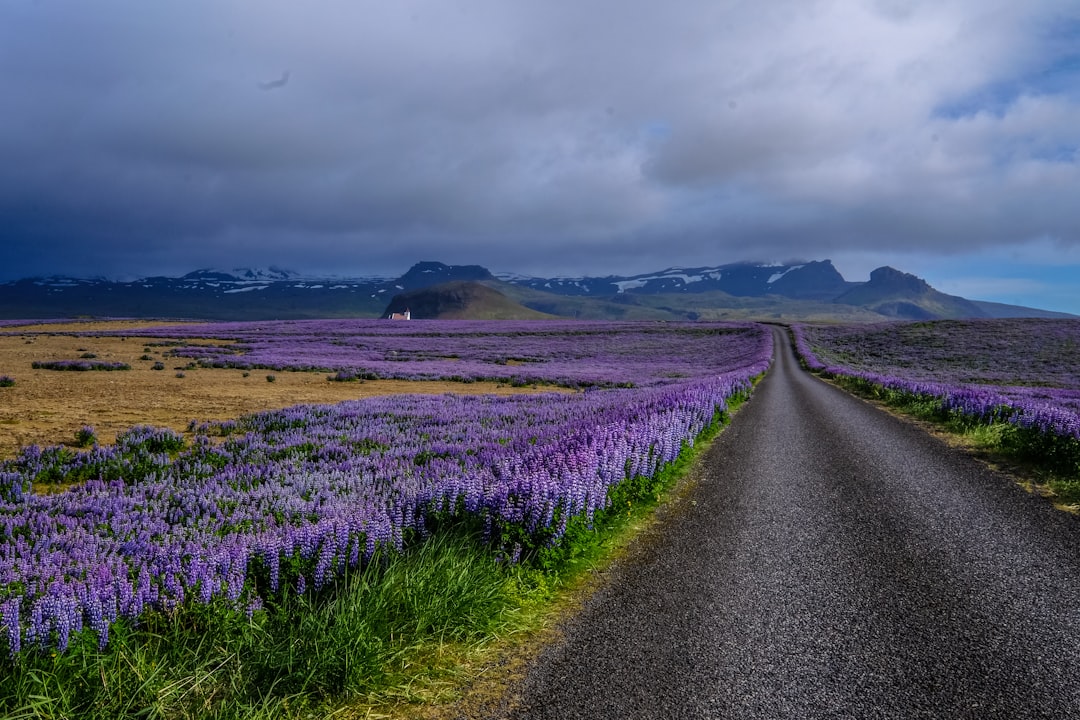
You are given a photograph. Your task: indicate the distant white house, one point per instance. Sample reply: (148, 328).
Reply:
(400, 316)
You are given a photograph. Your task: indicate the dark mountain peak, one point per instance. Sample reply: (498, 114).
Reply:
(208, 274)
(815, 280)
(428, 273)
(428, 266)
(822, 268)
(459, 300)
(241, 274)
(902, 295)
(891, 279)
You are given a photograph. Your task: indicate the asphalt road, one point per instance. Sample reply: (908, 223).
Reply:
(833, 562)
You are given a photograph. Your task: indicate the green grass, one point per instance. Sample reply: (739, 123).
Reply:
(295, 657)
(395, 632)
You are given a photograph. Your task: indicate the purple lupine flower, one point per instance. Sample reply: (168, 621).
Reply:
(9, 616)
(325, 486)
(254, 604)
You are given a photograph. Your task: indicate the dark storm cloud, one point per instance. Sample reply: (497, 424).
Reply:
(362, 136)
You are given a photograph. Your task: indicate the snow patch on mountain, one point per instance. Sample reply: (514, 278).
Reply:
(246, 288)
(776, 276)
(244, 274)
(625, 285)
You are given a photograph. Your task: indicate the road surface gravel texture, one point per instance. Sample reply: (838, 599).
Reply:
(832, 562)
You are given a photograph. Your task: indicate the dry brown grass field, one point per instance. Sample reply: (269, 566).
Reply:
(47, 407)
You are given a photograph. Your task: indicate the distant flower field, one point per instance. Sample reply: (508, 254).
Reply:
(1023, 372)
(566, 353)
(235, 511)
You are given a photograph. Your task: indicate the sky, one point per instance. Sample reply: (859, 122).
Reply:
(594, 137)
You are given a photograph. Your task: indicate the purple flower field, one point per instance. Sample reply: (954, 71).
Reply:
(235, 510)
(573, 354)
(1025, 372)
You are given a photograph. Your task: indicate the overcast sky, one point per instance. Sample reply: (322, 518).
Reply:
(357, 137)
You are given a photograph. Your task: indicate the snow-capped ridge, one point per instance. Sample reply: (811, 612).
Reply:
(243, 274)
(275, 292)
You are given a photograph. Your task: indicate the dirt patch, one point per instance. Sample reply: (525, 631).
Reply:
(84, 326)
(47, 407)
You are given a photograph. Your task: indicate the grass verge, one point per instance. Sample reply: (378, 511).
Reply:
(290, 659)
(400, 637)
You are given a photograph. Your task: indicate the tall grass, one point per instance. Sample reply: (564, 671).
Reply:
(353, 638)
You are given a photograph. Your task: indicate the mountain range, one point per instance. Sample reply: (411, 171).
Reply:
(787, 292)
